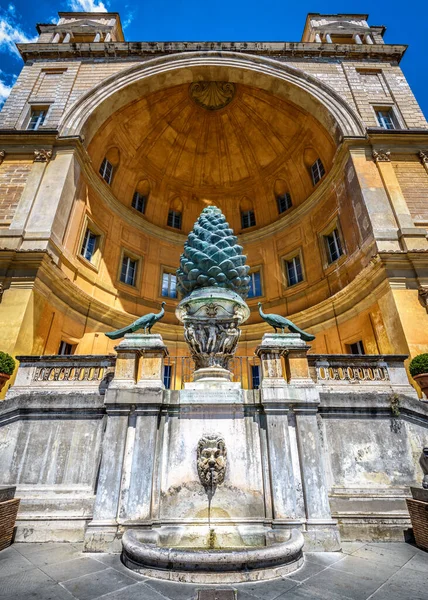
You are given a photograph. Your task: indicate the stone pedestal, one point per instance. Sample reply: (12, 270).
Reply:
(290, 402)
(139, 356)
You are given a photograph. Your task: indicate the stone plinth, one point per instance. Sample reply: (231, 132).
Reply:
(152, 351)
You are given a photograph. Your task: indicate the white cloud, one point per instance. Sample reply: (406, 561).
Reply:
(87, 6)
(11, 33)
(5, 87)
(128, 20)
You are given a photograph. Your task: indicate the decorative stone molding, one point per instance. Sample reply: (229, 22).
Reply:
(381, 156)
(211, 460)
(42, 155)
(424, 159)
(212, 95)
(423, 295)
(2, 155)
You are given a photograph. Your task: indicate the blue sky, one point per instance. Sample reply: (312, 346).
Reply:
(169, 20)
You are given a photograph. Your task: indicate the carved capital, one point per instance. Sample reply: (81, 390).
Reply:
(381, 156)
(42, 155)
(423, 157)
(423, 295)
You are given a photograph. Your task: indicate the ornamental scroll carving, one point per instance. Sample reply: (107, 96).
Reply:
(381, 155)
(42, 155)
(423, 295)
(211, 460)
(212, 95)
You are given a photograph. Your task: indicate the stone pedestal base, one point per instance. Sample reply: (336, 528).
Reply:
(212, 378)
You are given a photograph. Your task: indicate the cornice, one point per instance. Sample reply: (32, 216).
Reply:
(132, 50)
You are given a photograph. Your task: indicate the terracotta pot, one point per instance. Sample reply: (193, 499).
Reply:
(422, 381)
(3, 379)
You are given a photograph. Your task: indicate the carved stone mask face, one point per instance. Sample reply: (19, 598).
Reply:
(211, 460)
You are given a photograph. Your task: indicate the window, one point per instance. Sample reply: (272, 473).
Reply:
(334, 246)
(248, 219)
(284, 202)
(169, 285)
(65, 349)
(139, 202)
(317, 171)
(37, 118)
(386, 118)
(255, 285)
(89, 245)
(255, 377)
(174, 219)
(128, 272)
(167, 374)
(294, 270)
(106, 171)
(356, 348)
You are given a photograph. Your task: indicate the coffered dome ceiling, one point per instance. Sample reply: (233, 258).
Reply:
(212, 141)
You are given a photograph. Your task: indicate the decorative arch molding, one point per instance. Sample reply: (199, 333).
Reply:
(88, 114)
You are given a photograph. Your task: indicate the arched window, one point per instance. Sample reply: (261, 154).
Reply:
(248, 216)
(282, 195)
(141, 196)
(175, 213)
(314, 164)
(109, 164)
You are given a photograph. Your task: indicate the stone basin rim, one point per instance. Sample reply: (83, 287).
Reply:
(146, 554)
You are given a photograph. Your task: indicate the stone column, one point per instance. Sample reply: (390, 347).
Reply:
(274, 399)
(321, 528)
(101, 533)
(411, 236)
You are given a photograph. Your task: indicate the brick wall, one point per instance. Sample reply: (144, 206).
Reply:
(13, 177)
(413, 180)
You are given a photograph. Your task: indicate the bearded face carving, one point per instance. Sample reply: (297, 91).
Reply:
(211, 460)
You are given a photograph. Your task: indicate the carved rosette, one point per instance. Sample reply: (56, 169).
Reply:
(212, 95)
(381, 156)
(211, 318)
(211, 460)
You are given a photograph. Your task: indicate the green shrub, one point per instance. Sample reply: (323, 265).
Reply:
(419, 365)
(7, 364)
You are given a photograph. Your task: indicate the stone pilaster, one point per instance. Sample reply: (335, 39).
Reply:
(411, 237)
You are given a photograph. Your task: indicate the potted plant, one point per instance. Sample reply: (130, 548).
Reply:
(7, 366)
(419, 371)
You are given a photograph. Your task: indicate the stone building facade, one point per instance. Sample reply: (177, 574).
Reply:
(316, 151)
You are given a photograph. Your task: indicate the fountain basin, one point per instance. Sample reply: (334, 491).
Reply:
(142, 553)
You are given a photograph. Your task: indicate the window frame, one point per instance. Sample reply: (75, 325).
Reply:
(289, 199)
(323, 234)
(257, 269)
(252, 216)
(145, 197)
(89, 224)
(252, 376)
(297, 253)
(106, 160)
(34, 106)
(311, 170)
(172, 211)
(168, 271)
(396, 117)
(65, 343)
(360, 344)
(167, 377)
(135, 287)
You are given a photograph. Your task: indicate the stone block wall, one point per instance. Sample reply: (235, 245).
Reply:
(13, 177)
(413, 179)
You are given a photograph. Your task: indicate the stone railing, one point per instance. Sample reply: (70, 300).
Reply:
(351, 369)
(79, 372)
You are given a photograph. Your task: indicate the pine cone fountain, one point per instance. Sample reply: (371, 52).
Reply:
(212, 257)
(214, 281)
